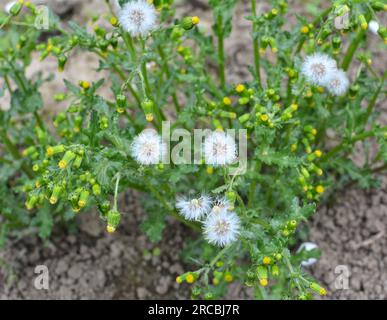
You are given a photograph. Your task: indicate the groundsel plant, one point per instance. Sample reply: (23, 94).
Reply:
(309, 99)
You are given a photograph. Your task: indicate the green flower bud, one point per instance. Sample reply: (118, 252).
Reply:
(83, 197)
(50, 151)
(96, 189)
(227, 115)
(67, 158)
(28, 151)
(363, 22)
(16, 8)
(55, 194)
(336, 42)
(189, 22)
(318, 289)
(113, 220)
(243, 101)
(275, 271)
(78, 161)
(379, 6)
(209, 296)
(103, 45)
(177, 33)
(244, 118)
(62, 59)
(147, 106)
(104, 206)
(31, 202)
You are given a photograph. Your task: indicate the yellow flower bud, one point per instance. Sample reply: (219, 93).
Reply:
(227, 101)
(320, 189)
(304, 29)
(195, 20)
(266, 260)
(110, 229)
(264, 117)
(190, 278)
(318, 153)
(240, 88)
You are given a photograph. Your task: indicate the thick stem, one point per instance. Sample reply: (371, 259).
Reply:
(256, 45)
(220, 34)
(342, 145)
(352, 49)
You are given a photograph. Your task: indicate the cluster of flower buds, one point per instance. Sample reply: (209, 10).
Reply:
(185, 24)
(267, 266)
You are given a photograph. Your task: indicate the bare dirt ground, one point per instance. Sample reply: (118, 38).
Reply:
(85, 263)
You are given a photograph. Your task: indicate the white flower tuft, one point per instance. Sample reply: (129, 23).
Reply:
(222, 228)
(318, 67)
(337, 83)
(194, 209)
(148, 147)
(8, 6)
(221, 204)
(219, 149)
(373, 26)
(137, 17)
(308, 246)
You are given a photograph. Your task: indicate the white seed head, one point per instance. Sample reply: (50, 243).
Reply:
(308, 246)
(222, 228)
(148, 148)
(318, 67)
(337, 83)
(373, 26)
(8, 6)
(220, 204)
(194, 209)
(219, 149)
(137, 17)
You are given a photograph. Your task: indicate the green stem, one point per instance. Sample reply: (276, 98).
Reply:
(15, 153)
(6, 21)
(118, 175)
(256, 45)
(253, 186)
(220, 34)
(344, 144)
(372, 102)
(352, 49)
(129, 43)
(168, 74)
(314, 22)
(292, 273)
(123, 77)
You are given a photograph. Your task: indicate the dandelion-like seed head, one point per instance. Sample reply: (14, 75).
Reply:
(194, 209)
(148, 148)
(222, 229)
(373, 26)
(219, 149)
(337, 83)
(318, 67)
(137, 17)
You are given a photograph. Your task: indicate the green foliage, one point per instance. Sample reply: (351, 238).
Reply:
(83, 158)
